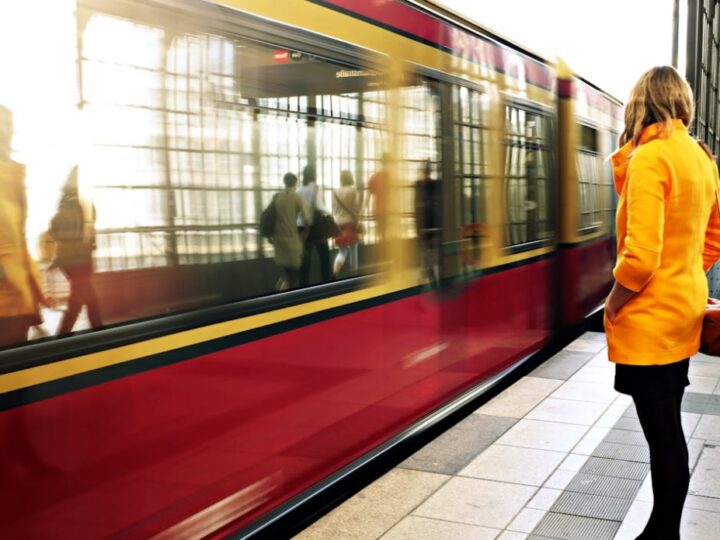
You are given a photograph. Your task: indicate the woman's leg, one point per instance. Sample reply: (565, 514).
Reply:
(89, 297)
(75, 301)
(339, 260)
(661, 423)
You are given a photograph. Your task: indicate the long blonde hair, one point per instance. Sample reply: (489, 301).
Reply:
(660, 95)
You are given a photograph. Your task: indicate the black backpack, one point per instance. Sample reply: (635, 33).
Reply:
(268, 218)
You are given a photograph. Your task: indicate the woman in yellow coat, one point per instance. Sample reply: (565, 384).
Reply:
(668, 230)
(20, 291)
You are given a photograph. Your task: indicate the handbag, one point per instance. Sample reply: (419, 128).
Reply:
(268, 218)
(323, 225)
(710, 336)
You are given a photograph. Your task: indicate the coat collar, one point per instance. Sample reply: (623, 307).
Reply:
(621, 158)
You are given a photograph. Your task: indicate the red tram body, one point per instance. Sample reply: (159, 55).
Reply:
(198, 417)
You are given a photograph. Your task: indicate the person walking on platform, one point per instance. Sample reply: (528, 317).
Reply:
(668, 235)
(286, 239)
(428, 221)
(73, 229)
(20, 290)
(346, 211)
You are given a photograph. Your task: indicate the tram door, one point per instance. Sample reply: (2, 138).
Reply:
(464, 129)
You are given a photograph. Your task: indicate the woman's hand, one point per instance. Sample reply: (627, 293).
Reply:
(610, 311)
(618, 297)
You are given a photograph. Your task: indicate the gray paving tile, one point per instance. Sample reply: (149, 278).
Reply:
(624, 436)
(593, 506)
(419, 528)
(595, 336)
(616, 468)
(699, 408)
(563, 365)
(377, 508)
(701, 403)
(568, 527)
(690, 397)
(630, 412)
(476, 502)
(457, 447)
(705, 480)
(625, 452)
(630, 424)
(592, 484)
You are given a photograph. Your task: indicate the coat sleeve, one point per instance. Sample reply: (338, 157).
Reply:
(711, 250)
(648, 181)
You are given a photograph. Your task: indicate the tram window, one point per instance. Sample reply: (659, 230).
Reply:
(527, 176)
(185, 139)
(471, 153)
(593, 188)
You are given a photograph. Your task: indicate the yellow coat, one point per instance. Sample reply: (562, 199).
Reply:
(668, 235)
(20, 289)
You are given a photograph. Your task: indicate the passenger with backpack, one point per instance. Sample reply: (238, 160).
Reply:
(73, 229)
(279, 223)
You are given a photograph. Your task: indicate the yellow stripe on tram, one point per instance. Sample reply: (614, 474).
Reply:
(126, 353)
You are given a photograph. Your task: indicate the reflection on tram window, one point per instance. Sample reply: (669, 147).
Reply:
(210, 127)
(182, 140)
(527, 175)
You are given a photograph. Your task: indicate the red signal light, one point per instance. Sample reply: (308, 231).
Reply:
(281, 56)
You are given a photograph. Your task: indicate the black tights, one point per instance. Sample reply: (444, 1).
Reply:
(661, 424)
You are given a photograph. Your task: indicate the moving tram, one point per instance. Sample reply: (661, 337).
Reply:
(208, 402)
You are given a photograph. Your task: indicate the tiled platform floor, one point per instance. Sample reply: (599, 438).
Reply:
(559, 455)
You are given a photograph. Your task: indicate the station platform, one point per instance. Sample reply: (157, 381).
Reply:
(559, 454)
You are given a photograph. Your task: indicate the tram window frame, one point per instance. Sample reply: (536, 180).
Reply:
(510, 161)
(587, 158)
(471, 173)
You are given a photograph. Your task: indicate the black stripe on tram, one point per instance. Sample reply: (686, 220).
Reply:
(72, 383)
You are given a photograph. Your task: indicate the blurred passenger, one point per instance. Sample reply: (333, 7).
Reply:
(315, 239)
(20, 290)
(73, 229)
(346, 210)
(286, 239)
(668, 234)
(378, 187)
(427, 221)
